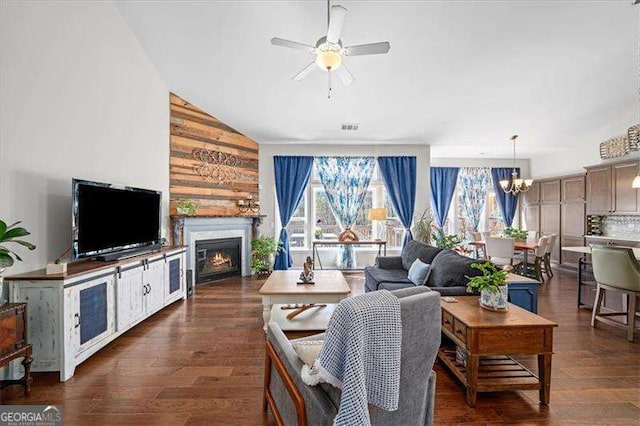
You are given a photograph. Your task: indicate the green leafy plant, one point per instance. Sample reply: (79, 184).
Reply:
(490, 280)
(517, 233)
(422, 227)
(187, 207)
(10, 234)
(262, 251)
(446, 241)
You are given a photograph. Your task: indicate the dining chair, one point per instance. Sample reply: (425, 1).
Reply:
(534, 269)
(532, 235)
(480, 236)
(500, 251)
(616, 269)
(546, 267)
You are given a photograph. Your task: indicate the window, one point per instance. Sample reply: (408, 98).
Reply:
(490, 219)
(297, 227)
(393, 231)
(313, 219)
(325, 224)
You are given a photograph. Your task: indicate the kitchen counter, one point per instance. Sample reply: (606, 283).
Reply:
(605, 237)
(587, 250)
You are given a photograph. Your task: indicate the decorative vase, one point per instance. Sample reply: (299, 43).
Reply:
(495, 300)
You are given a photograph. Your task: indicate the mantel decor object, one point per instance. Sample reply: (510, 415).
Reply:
(248, 205)
(186, 207)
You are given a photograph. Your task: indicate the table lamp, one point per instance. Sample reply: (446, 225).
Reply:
(379, 214)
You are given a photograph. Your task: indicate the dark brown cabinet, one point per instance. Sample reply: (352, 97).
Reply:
(609, 189)
(14, 343)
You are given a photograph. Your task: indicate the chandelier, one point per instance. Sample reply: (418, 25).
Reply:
(515, 185)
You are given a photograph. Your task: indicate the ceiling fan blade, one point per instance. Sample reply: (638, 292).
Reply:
(345, 75)
(367, 49)
(336, 20)
(292, 44)
(305, 72)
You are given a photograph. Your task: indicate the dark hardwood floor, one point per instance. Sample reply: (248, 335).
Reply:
(201, 362)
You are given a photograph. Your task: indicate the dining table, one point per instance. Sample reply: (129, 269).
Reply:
(520, 245)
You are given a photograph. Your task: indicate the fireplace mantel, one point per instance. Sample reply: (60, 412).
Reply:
(189, 229)
(178, 222)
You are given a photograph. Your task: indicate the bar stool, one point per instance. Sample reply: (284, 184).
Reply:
(616, 269)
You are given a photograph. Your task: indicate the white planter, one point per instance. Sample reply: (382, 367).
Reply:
(495, 300)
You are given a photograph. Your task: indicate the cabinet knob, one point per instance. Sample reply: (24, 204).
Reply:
(77, 317)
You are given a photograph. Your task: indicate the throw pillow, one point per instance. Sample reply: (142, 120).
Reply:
(416, 250)
(450, 269)
(308, 350)
(418, 272)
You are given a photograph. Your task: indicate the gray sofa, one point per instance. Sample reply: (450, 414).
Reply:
(446, 273)
(420, 311)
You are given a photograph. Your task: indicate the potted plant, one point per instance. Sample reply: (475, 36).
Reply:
(517, 233)
(446, 241)
(318, 233)
(186, 207)
(422, 228)
(492, 285)
(263, 251)
(11, 234)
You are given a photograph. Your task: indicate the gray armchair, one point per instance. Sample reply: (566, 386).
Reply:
(294, 402)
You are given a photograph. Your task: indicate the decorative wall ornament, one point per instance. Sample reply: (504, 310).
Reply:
(633, 134)
(216, 166)
(615, 147)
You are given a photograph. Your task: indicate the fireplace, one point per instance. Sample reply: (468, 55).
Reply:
(219, 258)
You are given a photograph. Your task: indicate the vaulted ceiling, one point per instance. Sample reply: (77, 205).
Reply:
(460, 76)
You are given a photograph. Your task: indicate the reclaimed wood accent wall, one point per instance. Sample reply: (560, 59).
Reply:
(210, 163)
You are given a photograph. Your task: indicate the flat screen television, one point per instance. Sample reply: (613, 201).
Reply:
(111, 219)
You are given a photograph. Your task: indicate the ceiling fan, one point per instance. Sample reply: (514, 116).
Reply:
(328, 50)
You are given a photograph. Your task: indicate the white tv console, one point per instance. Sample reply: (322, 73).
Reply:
(74, 315)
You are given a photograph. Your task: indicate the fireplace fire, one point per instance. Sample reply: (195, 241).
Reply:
(218, 259)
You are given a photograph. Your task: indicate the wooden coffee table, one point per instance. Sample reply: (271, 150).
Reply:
(282, 288)
(488, 338)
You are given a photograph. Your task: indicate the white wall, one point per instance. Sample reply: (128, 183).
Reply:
(482, 162)
(267, 191)
(79, 98)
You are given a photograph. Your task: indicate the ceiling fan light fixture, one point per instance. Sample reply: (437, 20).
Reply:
(329, 57)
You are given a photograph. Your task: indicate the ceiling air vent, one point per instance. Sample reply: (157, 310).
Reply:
(350, 126)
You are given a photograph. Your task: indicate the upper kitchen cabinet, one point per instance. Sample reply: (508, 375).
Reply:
(609, 189)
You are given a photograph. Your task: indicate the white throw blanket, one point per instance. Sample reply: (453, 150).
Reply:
(361, 355)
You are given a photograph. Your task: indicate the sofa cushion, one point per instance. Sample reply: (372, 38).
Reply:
(449, 269)
(396, 286)
(416, 250)
(418, 272)
(388, 275)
